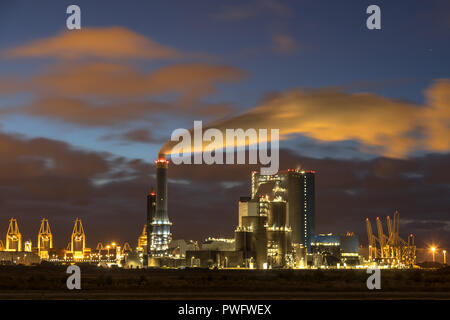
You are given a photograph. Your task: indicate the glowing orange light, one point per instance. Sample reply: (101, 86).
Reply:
(162, 160)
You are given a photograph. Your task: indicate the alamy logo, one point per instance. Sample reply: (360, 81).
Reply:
(374, 281)
(374, 20)
(208, 146)
(74, 280)
(74, 20)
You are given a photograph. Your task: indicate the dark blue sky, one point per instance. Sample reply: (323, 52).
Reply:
(333, 47)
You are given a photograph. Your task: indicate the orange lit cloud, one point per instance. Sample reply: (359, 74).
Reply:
(437, 117)
(382, 126)
(120, 80)
(121, 92)
(108, 43)
(81, 112)
(85, 113)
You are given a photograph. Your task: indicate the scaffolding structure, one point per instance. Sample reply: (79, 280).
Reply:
(390, 249)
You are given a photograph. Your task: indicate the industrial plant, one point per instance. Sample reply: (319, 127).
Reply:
(275, 230)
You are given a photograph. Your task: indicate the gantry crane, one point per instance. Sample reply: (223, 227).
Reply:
(382, 239)
(373, 254)
(392, 249)
(78, 240)
(45, 239)
(13, 236)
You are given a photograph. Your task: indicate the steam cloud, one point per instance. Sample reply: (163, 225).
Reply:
(382, 126)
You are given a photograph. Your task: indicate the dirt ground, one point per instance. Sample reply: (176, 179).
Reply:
(49, 282)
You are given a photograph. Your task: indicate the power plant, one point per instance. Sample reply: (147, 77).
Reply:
(275, 229)
(276, 224)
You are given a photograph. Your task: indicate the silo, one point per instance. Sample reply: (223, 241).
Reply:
(277, 214)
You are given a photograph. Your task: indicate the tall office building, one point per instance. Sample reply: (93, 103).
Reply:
(296, 187)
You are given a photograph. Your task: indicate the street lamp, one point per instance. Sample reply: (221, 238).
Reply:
(445, 256)
(433, 250)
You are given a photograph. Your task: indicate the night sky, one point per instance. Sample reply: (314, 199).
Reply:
(83, 113)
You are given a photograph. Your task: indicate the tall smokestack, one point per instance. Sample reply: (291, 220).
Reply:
(160, 234)
(151, 213)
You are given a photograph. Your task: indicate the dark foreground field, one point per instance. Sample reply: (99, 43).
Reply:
(49, 282)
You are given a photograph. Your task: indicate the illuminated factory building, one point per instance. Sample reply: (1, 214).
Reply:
(296, 187)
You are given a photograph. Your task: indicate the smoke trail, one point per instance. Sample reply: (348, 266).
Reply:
(382, 126)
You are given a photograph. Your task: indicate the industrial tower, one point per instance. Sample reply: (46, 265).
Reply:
(13, 237)
(78, 240)
(45, 239)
